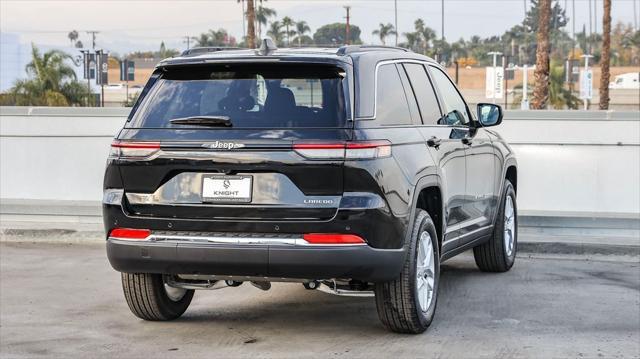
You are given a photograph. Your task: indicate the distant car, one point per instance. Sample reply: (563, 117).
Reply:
(354, 171)
(628, 81)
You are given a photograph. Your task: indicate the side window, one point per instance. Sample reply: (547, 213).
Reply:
(408, 92)
(391, 103)
(455, 107)
(425, 94)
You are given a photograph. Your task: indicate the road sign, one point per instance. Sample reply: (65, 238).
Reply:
(494, 82)
(586, 84)
(89, 61)
(127, 70)
(102, 77)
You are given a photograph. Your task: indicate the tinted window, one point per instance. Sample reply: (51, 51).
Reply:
(426, 96)
(411, 98)
(454, 104)
(265, 96)
(391, 103)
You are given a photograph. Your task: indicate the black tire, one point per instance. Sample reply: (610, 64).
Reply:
(397, 301)
(493, 256)
(148, 299)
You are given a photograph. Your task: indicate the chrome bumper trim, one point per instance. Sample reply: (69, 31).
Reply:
(234, 240)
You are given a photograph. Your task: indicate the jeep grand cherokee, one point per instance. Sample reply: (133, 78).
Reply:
(355, 170)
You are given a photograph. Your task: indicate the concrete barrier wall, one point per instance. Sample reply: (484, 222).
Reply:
(572, 163)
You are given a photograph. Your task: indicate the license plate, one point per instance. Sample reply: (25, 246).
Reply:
(222, 188)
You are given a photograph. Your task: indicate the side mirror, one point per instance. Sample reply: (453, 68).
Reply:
(489, 114)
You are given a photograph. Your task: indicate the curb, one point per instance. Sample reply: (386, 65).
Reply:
(578, 248)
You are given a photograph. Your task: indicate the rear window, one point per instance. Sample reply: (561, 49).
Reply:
(250, 96)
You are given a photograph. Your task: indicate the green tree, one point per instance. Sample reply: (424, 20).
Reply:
(51, 82)
(335, 34)
(421, 39)
(73, 36)
(557, 18)
(383, 31)
(218, 37)
(263, 14)
(288, 22)
(560, 97)
(301, 30)
(276, 33)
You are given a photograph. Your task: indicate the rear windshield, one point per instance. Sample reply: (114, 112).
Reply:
(250, 96)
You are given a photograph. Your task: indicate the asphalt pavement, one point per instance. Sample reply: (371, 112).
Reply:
(64, 300)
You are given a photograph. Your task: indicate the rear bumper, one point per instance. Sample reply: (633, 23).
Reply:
(360, 262)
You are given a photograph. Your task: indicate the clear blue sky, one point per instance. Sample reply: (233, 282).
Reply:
(143, 24)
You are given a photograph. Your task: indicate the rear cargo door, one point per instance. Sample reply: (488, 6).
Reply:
(238, 142)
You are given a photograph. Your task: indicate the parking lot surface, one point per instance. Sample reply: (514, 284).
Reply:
(64, 300)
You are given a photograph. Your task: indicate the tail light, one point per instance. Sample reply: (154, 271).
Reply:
(357, 150)
(332, 238)
(133, 150)
(130, 234)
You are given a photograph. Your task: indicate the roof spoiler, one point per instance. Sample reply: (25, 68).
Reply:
(348, 49)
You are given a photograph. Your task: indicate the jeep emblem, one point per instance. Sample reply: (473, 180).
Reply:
(219, 145)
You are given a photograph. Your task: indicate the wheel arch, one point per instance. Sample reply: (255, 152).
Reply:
(428, 197)
(512, 175)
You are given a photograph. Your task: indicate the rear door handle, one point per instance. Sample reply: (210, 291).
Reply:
(434, 142)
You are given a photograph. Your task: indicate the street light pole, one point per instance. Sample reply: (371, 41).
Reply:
(442, 19)
(395, 6)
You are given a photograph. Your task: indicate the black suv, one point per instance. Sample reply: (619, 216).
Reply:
(356, 171)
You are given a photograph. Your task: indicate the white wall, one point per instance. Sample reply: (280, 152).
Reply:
(570, 162)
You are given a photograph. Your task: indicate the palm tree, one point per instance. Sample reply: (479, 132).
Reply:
(51, 82)
(275, 32)
(301, 29)
(73, 36)
(541, 74)
(251, 29)
(606, 58)
(384, 31)
(286, 22)
(262, 17)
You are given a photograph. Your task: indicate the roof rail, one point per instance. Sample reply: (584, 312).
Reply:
(204, 50)
(348, 49)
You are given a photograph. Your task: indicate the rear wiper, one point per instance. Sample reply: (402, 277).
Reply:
(203, 121)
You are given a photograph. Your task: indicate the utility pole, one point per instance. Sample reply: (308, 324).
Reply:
(347, 30)
(395, 6)
(590, 29)
(93, 38)
(635, 16)
(442, 19)
(524, 57)
(595, 16)
(187, 40)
